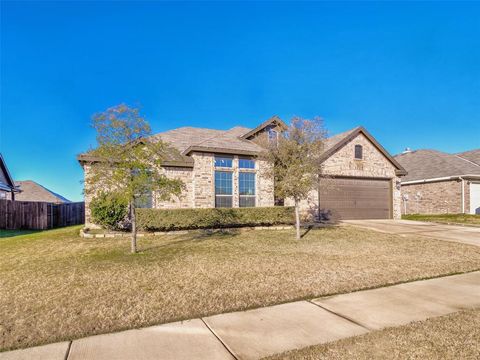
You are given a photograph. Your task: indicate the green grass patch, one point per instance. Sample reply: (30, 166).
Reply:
(463, 219)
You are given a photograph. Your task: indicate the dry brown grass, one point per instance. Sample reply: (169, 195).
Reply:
(55, 285)
(455, 336)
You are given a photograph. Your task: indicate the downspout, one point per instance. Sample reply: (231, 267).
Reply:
(463, 195)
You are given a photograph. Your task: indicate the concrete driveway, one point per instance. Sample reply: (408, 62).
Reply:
(462, 234)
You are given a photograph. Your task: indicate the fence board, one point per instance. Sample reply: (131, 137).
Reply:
(15, 215)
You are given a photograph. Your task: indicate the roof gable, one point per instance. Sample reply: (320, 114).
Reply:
(337, 142)
(274, 120)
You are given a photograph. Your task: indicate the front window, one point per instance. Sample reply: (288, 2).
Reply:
(223, 161)
(246, 189)
(272, 135)
(246, 163)
(223, 189)
(144, 201)
(358, 152)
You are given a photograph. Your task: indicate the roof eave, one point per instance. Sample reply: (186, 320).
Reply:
(216, 150)
(7, 172)
(443, 178)
(87, 159)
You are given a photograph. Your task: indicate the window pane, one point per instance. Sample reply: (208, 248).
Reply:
(223, 161)
(246, 183)
(247, 201)
(246, 164)
(223, 183)
(223, 201)
(144, 201)
(358, 152)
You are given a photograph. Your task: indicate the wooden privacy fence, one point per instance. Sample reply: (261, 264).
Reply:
(15, 215)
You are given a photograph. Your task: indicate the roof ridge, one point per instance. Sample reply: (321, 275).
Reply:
(217, 136)
(471, 162)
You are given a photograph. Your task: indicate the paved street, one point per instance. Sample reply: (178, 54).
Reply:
(261, 332)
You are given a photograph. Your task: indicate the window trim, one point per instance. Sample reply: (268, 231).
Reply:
(223, 195)
(254, 196)
(360, 147)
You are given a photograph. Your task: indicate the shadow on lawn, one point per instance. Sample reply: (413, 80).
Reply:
(11, 233)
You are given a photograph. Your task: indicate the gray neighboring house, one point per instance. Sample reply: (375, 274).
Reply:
(222, 168)
(8, 190)
(32, 191)
(439, 183)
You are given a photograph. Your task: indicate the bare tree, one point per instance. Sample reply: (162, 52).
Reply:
(295, 159)
(128, 160)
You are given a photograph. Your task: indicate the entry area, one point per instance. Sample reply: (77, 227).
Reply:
(475, 198)
(355, 198)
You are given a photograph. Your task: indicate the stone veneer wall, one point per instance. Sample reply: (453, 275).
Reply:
(204, 182)
(343, 163)
(440, 197)
(88, 195)
(185, 200)
(200, 186)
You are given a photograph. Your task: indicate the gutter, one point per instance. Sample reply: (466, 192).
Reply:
(445, 178)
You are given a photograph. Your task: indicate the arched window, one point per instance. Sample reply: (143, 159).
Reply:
(358, 152)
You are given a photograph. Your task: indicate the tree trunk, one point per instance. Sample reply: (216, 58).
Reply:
(297, 218)
(133, 219)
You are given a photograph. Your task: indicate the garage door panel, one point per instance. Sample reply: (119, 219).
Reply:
(354, 198)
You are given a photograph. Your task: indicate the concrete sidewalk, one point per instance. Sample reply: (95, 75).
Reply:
(266, 331)
(456, 233)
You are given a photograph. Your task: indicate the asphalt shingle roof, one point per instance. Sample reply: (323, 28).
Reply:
(187, 137)
(331, 141)
(32, 191)
(431, 164)
(472, 155)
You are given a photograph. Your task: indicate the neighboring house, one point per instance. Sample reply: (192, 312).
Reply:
(221, 168)
(8, 189)
(439, 183)
(32, 191)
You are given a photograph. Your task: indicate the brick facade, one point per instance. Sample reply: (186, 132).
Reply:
(440, 197)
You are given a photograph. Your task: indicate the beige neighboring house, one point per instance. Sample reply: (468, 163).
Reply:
(221, 168)
(32, 191)
(440, 183)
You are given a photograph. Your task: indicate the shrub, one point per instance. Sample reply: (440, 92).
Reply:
(109, 210)
(188, 219)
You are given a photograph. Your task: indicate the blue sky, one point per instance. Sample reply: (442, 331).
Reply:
(408, 72)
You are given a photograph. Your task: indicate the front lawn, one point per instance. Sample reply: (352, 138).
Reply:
(462, 219)
(454, 336)
(55, 285)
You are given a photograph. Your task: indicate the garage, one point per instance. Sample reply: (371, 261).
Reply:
(355, 198)
(475, 198)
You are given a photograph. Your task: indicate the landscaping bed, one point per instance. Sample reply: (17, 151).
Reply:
(454, 336)
(453, 219)
(56, 285)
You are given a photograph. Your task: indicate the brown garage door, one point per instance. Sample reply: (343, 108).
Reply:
(354, 198)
